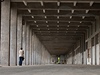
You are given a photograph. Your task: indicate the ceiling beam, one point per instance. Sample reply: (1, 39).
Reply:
(55, 0)
(63, 20)
(60, 23)
(82, 8)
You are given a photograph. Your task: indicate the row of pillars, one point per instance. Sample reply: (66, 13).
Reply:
(76, 54)
(89, 56)
(14, 35)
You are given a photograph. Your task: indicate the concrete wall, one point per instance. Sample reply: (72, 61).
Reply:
(41, 55)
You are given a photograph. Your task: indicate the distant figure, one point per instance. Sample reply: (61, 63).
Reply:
(21, 56)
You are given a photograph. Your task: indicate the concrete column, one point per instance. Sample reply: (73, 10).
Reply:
(0, 33)
(97, 51)
(82, 49)
(99, 47)
(30, 46)
(24, 43)
(32, 49)
(27, 45)
(93, 51)
(19, 36)
(13, 37)
(89, 50)
(85, 56)
(35, 53)
(5, 32)
(41, 54)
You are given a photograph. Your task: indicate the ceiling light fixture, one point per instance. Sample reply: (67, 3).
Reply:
(72, 11)
(32, 16)
(46, 21)
(58, 3)
(58, 10)
(75, 3)
(41, 3)
(45, 16)
(47, 25)
(80, 21)
(57, 25)
(83, 17)
(57, 17)
(78, 26)
(34, 21)
(43, 10)
(91, 3)
(29, 10)
(57, 21)
(25, 3)
(37, 26)
(87, 11)
(70, 17)
(67, 25)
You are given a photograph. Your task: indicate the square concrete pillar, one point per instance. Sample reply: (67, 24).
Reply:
(30, 61)
(27, 44)
(34, 53)
(5, 33)
(19, 36)
(13, 37)
(32, 49)
(24, 43)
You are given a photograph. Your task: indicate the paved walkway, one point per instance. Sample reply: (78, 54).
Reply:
(51, 70)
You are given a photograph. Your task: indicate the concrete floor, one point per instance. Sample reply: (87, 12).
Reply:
(51, 70)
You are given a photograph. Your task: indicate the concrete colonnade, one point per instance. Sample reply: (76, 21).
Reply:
(14, 35)
(87, 51)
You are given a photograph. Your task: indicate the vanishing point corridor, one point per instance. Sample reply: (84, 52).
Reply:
(58, 37)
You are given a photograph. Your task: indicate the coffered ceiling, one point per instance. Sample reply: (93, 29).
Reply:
(59, 24)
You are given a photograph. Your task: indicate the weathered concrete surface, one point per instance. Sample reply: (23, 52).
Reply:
(51, 70)
(13, 37)
(5, 24)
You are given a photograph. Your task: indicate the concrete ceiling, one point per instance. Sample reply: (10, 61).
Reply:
(59, 24)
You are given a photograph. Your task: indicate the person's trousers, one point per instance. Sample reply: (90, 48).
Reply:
(20, 61)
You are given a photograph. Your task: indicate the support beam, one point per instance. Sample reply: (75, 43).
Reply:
(13, 37)
(27, 45)
(19, 36)
(24, 42)
(5, 33)
(54, 0)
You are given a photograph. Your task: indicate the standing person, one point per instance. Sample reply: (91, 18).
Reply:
(21, 56)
